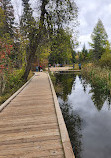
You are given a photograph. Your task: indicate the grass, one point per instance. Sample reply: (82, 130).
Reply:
(100, 77)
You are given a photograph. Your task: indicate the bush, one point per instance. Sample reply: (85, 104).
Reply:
(13, 82)
(105, 60)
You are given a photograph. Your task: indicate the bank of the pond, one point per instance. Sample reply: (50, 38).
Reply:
(100, 77)
(12, 87)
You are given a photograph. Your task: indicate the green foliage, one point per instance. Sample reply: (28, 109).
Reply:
(73, 56)
(14, 79)
(2, 20)
(105, 60)
(13, 83)
(98, 76)
(85, 53)
(61, 48)
(9, 17)
(42, 53)
(27, 22)
(90, 56)
(99, 39)
(83, 56)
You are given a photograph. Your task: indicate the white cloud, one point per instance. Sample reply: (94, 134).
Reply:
(17, 4)
(89, 13)
(84, 39)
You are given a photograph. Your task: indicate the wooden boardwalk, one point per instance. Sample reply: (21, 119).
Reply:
(63, 69)
(29, 125)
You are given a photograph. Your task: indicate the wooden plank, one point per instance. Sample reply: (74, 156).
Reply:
(29, 134)
(29, 128)
(56, 156)
(32, 154)
(39, 146)
(35, 111)
(32, 139)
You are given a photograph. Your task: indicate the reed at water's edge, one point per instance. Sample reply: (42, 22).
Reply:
(100, 77)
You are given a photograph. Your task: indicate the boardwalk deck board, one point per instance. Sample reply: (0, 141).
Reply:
(29, 126)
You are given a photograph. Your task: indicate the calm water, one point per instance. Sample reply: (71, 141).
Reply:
(87, 113)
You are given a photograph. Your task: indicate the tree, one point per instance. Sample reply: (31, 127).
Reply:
(27, 20)
(28, 37)
(61, 48)
(2, 20)
(84, 52)
(99, 39)
(27, 25)
(81, 57)
(5, 61)
(35, 33)
(9, 17)
(73, 57)
(53, 16)
(42, 54)
(106, 57)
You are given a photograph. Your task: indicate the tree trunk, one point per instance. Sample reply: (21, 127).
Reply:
(34, 41)
(28, 67)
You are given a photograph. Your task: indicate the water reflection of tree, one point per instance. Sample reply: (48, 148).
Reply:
(73, 124)
(63, 84)
(83, 82)
(109, 102)
(99, 96)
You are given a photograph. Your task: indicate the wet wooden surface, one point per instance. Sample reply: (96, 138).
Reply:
(29, 126)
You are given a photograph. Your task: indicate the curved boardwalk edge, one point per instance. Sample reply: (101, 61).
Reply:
(2, 106)
(63, 130)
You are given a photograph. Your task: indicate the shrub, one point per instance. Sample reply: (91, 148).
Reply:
(105, 60)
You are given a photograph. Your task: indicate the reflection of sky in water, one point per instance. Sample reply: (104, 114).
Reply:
(96, 125)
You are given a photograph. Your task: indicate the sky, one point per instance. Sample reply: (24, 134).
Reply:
(89, 13)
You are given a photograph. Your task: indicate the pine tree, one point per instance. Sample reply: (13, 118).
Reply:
(84, 52)
(2, 20)
(99, 39)
(27, 20)
(9, 16)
